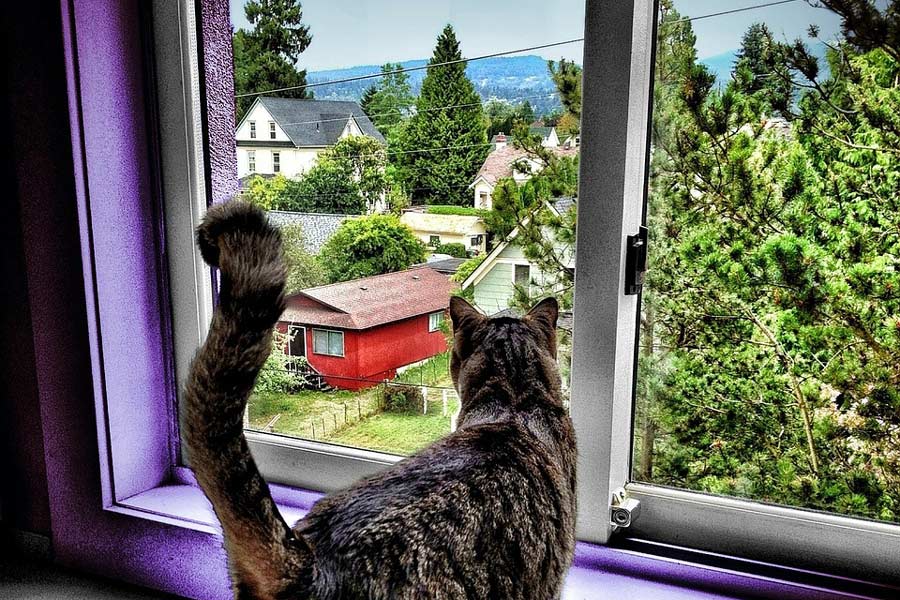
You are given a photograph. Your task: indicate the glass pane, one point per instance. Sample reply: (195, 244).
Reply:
(769, 356)
(392, 188)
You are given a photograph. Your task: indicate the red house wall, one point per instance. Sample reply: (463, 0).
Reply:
(374, 354)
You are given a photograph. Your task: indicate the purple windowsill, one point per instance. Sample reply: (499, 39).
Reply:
(597, 571)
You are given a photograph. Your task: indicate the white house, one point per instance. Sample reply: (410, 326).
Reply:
(549, 137)
(505, 161)
(494, 280)
(285, 135)
(435, 229)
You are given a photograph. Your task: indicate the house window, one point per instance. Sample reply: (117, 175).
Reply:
(434, 240)
(251, 161)
(252, 130)
(434, 320)
(271, 130)
(328, 342)
(522, 275)
(482, 199)
(476, 241)
(276, 162)
(297, 345)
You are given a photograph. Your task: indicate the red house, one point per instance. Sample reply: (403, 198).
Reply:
(359, 332)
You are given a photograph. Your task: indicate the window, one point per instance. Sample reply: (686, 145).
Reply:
(276, 162)
(328, 342)
(476, 241)
(482, 200)
(252, 130)
(298, 340)
(616, 401)
(271, 130)
(434, 240)
(434, 320)
(251, 161)
(522, 275)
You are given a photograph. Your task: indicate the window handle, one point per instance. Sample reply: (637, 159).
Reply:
(635, 261)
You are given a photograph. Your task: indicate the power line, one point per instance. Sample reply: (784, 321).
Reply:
(729, 12)
(409, 69)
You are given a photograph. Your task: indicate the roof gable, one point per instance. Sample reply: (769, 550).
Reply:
(316, 123)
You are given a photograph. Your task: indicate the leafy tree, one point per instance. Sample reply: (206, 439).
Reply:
(454, 249)
(388, 102)
(371, 245)
(439, 151)
(304, 269)
(265, 57)
(503, 117)
(269, 193)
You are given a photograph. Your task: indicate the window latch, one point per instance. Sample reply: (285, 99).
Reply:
(635, 261)
(623, 511)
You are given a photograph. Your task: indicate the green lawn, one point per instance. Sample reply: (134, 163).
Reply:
(354, 418)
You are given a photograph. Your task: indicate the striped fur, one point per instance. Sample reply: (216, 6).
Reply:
(486, 512)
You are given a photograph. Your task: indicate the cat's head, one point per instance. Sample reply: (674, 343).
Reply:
(519, 351)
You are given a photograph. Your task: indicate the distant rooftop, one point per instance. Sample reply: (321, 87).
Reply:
(371, 301)
(317, 122)
(499, 163)
(317, 227)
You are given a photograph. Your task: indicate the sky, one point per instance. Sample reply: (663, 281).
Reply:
(361, 32)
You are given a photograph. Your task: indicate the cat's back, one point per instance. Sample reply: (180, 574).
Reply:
(487, 512)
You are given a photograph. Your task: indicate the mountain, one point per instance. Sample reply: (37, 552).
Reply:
(511, 78)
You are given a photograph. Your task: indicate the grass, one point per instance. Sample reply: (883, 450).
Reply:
(450, 209)
(322, 415)
(397, 433)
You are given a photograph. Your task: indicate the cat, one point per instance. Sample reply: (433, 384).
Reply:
(486, 512)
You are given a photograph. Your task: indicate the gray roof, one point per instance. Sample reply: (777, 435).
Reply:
(316, 122)
(317, 227)
(447, 266)
(562, 204)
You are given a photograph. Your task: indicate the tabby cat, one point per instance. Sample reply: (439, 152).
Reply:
(486, 512)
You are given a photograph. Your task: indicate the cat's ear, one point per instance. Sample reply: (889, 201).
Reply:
(545, 313)
(463, 315)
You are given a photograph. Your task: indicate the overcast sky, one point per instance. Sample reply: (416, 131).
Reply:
(358, 32)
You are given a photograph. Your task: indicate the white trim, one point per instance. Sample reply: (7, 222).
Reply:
(294, 325)
(328, 331)
(247, 114)
(484, 268)
(481, 178)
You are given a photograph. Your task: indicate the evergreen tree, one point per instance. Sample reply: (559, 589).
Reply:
(567, 77)
(265, 58)
(761, 70)
(388, 102)
(440, 150)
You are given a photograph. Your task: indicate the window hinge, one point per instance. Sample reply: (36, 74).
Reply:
(635, 261)
(623, 510)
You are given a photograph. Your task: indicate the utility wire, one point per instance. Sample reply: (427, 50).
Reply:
(408, 69)
(730, 12)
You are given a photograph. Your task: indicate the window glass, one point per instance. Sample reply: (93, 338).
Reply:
(769, 331)
(370, 193)
(252, 129)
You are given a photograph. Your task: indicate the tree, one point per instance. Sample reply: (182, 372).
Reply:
(439, 149)
(566, 75)
(371, 245)
(760, 70)
(304, 269)
(503, 117)
(388, 102)
(265, 58)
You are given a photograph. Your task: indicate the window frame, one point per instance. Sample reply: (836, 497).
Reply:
(251, 161)
(328, 333)
(434, 241)
(252, 129)
(276, 161)
(294, 330)
(440, 319)
(171, 508)
(273, 132)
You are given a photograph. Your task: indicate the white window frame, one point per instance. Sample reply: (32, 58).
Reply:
(251, 161)
(513, 274)
(327, 332)
(252, 129)
(276, 162)
(618, 48)
(272, 131)
(293, 331)
(435, 316)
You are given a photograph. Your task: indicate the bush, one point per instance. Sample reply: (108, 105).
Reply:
(449, 209)
(280, 371)
(402, 399)
(455, 249)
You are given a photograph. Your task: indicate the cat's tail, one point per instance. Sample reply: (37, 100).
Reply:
(266, 559)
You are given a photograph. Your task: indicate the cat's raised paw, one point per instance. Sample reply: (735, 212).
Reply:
(231, 218)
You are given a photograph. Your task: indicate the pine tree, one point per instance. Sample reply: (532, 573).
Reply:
(266, 57)
(761, 70)
(441, 149)
(567, 77)
(388, 102)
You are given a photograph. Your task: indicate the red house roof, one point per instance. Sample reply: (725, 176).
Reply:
(371, 301)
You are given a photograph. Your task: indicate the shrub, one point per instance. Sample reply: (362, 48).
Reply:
(280, 372)
(402, 399)
(455, 249)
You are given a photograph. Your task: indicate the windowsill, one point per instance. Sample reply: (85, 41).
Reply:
(614, 572)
